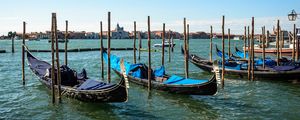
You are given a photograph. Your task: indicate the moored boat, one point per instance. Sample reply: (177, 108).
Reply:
(285, 72)
(166, 44)
(79, 86)
(137, 73)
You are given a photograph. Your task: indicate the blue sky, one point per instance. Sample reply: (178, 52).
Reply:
(84, 15)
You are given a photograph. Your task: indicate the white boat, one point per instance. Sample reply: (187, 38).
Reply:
(215, 37)
(166, 44)
(236, 38)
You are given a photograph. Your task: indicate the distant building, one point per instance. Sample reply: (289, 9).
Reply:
(46, 35)
(238, 37)
(199, 35)
(33, 36)
(119, 33)
(77, 35)
(219, 35)
(91, 35)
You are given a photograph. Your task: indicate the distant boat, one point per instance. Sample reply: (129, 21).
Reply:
(59, 40)
(166, 44)
(287, 49)
(215, 37)
(236, 38)
(33, 39)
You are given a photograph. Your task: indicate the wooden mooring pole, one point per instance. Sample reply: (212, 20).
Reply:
(163, 46)
(52, 54)
(282, 46)
(134, 41)
(172, 41)
(149, 55)
(297, 45)
(23, 53)
(66, 44)
(277, 42)
(229, 54)
(101, 51)
(294, 40)
(58, 78)
(140, 45)
(223, 56)
(248, 40)
(210, 46)
(108, 49)
(268, 36)
(252, 47)
(263, 46)
(13, 42)
(185, 49)
(249, 54)
(245, 41)
(169, 41)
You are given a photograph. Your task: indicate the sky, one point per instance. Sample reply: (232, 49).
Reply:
(85, 15)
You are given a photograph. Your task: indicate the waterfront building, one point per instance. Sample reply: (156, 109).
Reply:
(119, 33)
(199, 35)
(77, 35)
(46, 35)
(92, 35)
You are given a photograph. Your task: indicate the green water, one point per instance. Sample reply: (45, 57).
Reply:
(240, 99)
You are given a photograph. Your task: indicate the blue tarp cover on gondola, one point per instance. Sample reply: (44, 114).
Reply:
(93, 85)
(230, 65)
(115, 63)
(138, 70)
(219, 53)
(268, 62)
(160, 72)
(241, 54)
(177, 80)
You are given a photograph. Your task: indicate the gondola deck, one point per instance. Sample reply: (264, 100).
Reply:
(267, 73)
(103, 93)
(209, 87)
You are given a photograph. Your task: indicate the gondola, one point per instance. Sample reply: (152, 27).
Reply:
(79, 86)
(287, 72)
(172, 84)
(227, 57)
(240, 53)
(257, 61)
(268, 61)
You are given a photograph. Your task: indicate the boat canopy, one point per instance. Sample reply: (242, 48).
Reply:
(174, 79)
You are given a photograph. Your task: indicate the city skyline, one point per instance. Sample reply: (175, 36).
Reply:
(200, 14)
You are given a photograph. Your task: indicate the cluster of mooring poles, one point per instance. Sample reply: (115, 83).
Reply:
(170, 42)
(108, 50)
(55, 68)
(247, 39)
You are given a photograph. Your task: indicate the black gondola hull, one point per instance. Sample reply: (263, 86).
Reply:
(209, 88)
(258, 74)
(115, 93)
